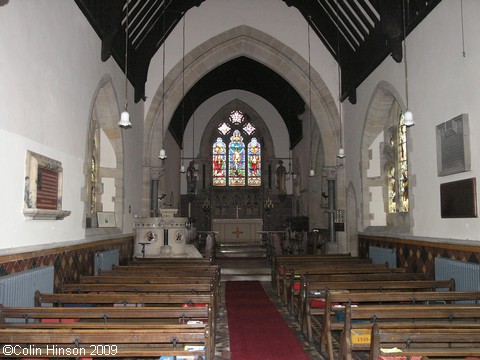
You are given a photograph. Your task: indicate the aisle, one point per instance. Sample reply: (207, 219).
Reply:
(256, 328)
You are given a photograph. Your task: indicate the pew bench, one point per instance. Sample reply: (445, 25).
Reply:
(132, 299)
(89, 343)
(297, 288)
(312, 294)
(336, 301)
(362, 318)
(296, 274)
(105, 323)
(433, 341)
(138, 287)
(278, 261)
(296, 291)
(284, 268)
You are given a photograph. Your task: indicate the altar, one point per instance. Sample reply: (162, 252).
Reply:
(237, 230)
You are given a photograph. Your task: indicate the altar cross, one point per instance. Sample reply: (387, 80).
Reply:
(237, 232)
(236, 209)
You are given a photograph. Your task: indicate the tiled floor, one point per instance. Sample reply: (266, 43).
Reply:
(222, 351)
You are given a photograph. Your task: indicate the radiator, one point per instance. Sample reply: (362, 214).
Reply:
(383, 255)
(19, 289)
(105, 260)
(466, 274)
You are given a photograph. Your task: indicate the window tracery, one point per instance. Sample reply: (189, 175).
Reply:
(236, 154)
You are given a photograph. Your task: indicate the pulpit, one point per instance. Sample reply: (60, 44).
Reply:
(237, 230)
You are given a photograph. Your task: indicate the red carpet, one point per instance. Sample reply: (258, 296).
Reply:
(257, 330)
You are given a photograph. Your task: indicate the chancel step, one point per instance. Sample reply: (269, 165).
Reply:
(241, 250)
(245, 269)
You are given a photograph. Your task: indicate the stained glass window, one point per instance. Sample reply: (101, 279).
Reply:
(398, 170)
(243, 165)
(224, 129)
(249, 129)
(236, 117)
(219, 163)
(254, 163)
(236, 160)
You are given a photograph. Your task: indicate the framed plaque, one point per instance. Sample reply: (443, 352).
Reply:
(106, 219)
(458, 199)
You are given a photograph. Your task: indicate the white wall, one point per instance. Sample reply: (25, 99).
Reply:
(50, 69)
(442, 84)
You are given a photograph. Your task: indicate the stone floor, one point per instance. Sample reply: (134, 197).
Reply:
(222, 351)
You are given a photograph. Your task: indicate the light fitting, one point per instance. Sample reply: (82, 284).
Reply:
(182, 169)
(125, 116)
(407, 116)
(341, 153)
(163, 154)
(312, 172)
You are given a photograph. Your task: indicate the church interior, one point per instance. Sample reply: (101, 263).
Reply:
(253, 141)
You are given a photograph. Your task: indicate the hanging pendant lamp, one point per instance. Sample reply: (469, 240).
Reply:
(125, 116)
(407, 115)
(163, 154)
(182, 165)
(312, 171)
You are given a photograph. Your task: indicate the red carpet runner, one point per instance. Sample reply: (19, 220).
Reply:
(257, 330)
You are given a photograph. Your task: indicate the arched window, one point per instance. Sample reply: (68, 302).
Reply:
(236, 153)
(398, 169)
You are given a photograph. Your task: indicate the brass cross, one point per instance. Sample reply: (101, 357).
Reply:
(237, 232)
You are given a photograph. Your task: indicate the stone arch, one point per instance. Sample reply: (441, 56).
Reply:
(383, 109)
(259, 46)
(105, 113)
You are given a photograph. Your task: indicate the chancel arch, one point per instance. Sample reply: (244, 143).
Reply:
(254, 44)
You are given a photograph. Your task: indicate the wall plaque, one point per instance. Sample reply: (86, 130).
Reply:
(458, 199)
(43, 188)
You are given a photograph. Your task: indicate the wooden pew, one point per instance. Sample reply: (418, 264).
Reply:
(106, 321)
(135, 299)
(298, 271)
(279, 261)
(145, 279)
(61, 299)
(362, 277)
(298, 289)
(167, 261)
(437, 340)
(316, 291)
(137, 288)
(365, 316)
(180, 267)
(88, 343)
(331, 323)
